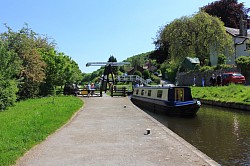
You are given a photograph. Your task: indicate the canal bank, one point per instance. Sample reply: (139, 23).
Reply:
(225, 104)
(112, 131)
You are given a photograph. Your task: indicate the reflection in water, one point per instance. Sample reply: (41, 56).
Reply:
(222, 134)
(236, 126)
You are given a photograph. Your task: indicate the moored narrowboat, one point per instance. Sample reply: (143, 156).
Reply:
(175, 100)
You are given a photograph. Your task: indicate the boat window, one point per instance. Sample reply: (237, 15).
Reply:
(137, 91)
(159, 93)
(149, 92)
(142, 92)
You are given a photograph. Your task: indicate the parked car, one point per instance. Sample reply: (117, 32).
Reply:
(233, 77)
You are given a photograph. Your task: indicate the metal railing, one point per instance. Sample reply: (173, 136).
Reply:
(131, 78)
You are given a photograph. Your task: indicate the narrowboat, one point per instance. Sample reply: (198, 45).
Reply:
(176, 101)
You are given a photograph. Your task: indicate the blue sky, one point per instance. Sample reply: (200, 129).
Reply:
(93, 30)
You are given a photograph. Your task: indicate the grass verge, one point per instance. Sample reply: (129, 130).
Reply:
(30, 122)
(232, 93)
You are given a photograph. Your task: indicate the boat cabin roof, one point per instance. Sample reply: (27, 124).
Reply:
(161, 87)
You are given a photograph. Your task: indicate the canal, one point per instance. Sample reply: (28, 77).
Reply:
(222, 134)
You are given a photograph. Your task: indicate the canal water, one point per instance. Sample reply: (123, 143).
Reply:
(222, 134)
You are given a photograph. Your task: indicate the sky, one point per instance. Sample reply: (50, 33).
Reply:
(93, 30)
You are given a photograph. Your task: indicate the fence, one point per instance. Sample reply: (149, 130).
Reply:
(131, 78)
(191, 78)
(118, 91)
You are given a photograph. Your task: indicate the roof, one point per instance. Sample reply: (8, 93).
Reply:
(193, 60)
(236, 32)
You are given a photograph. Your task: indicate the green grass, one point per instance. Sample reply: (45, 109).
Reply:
(30, 122)
(231, 93)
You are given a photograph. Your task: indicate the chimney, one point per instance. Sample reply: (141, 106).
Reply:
(243, 27)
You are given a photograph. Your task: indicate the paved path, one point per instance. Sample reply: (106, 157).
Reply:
(107, 134)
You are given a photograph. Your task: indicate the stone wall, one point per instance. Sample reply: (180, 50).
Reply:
(187, 79)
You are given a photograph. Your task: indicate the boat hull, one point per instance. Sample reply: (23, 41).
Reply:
(188, 108)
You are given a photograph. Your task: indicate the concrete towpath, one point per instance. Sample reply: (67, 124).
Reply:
(105, 132)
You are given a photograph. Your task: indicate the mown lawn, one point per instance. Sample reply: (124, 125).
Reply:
(231, 93)
(30, 122)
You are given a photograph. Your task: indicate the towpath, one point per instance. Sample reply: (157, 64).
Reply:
(112, 132)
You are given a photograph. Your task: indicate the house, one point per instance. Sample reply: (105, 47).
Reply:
(241, 41)
(189, 64)
(149, 66)
(138, 68)
(241, 44)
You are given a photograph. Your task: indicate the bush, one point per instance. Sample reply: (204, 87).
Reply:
(146, 74)
(170, 69)
(206, 68)
(221, 59)
(243, 62)
(8, 90)
(155, 79)
(138, 73)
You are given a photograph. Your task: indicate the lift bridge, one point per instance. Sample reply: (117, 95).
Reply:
(108, 70)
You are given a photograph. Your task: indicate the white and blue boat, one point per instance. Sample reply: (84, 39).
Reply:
(177, 100)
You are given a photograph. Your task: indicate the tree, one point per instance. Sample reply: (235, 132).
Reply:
(60, 69)
(114, 68)
(161, 52)
(229, 11)
(194, 36)
(26, 44)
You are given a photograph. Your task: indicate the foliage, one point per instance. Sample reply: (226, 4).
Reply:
(223, 66)
(114, 68)
(207, 68)
(161, 54)
(8, 90)
(138, 73)
(231, 93)
(155, 79)
(9, 67)
(146, 74)
(92, 77)
(194, 36)
(30, 122)
(221, 59)
(25, 44)
(35, 63)
(243, 63)
(10, 63)
(170, 69)
(230, 12)
(138, 60)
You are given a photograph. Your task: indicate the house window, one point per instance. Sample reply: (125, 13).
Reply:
(159, 93)
(137, 91)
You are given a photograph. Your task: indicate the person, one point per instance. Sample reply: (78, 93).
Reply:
(203, 81)
(194, 81)
(92, 87)
(89, 89)
(212, 80)
(137, 84)
(219, 80)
